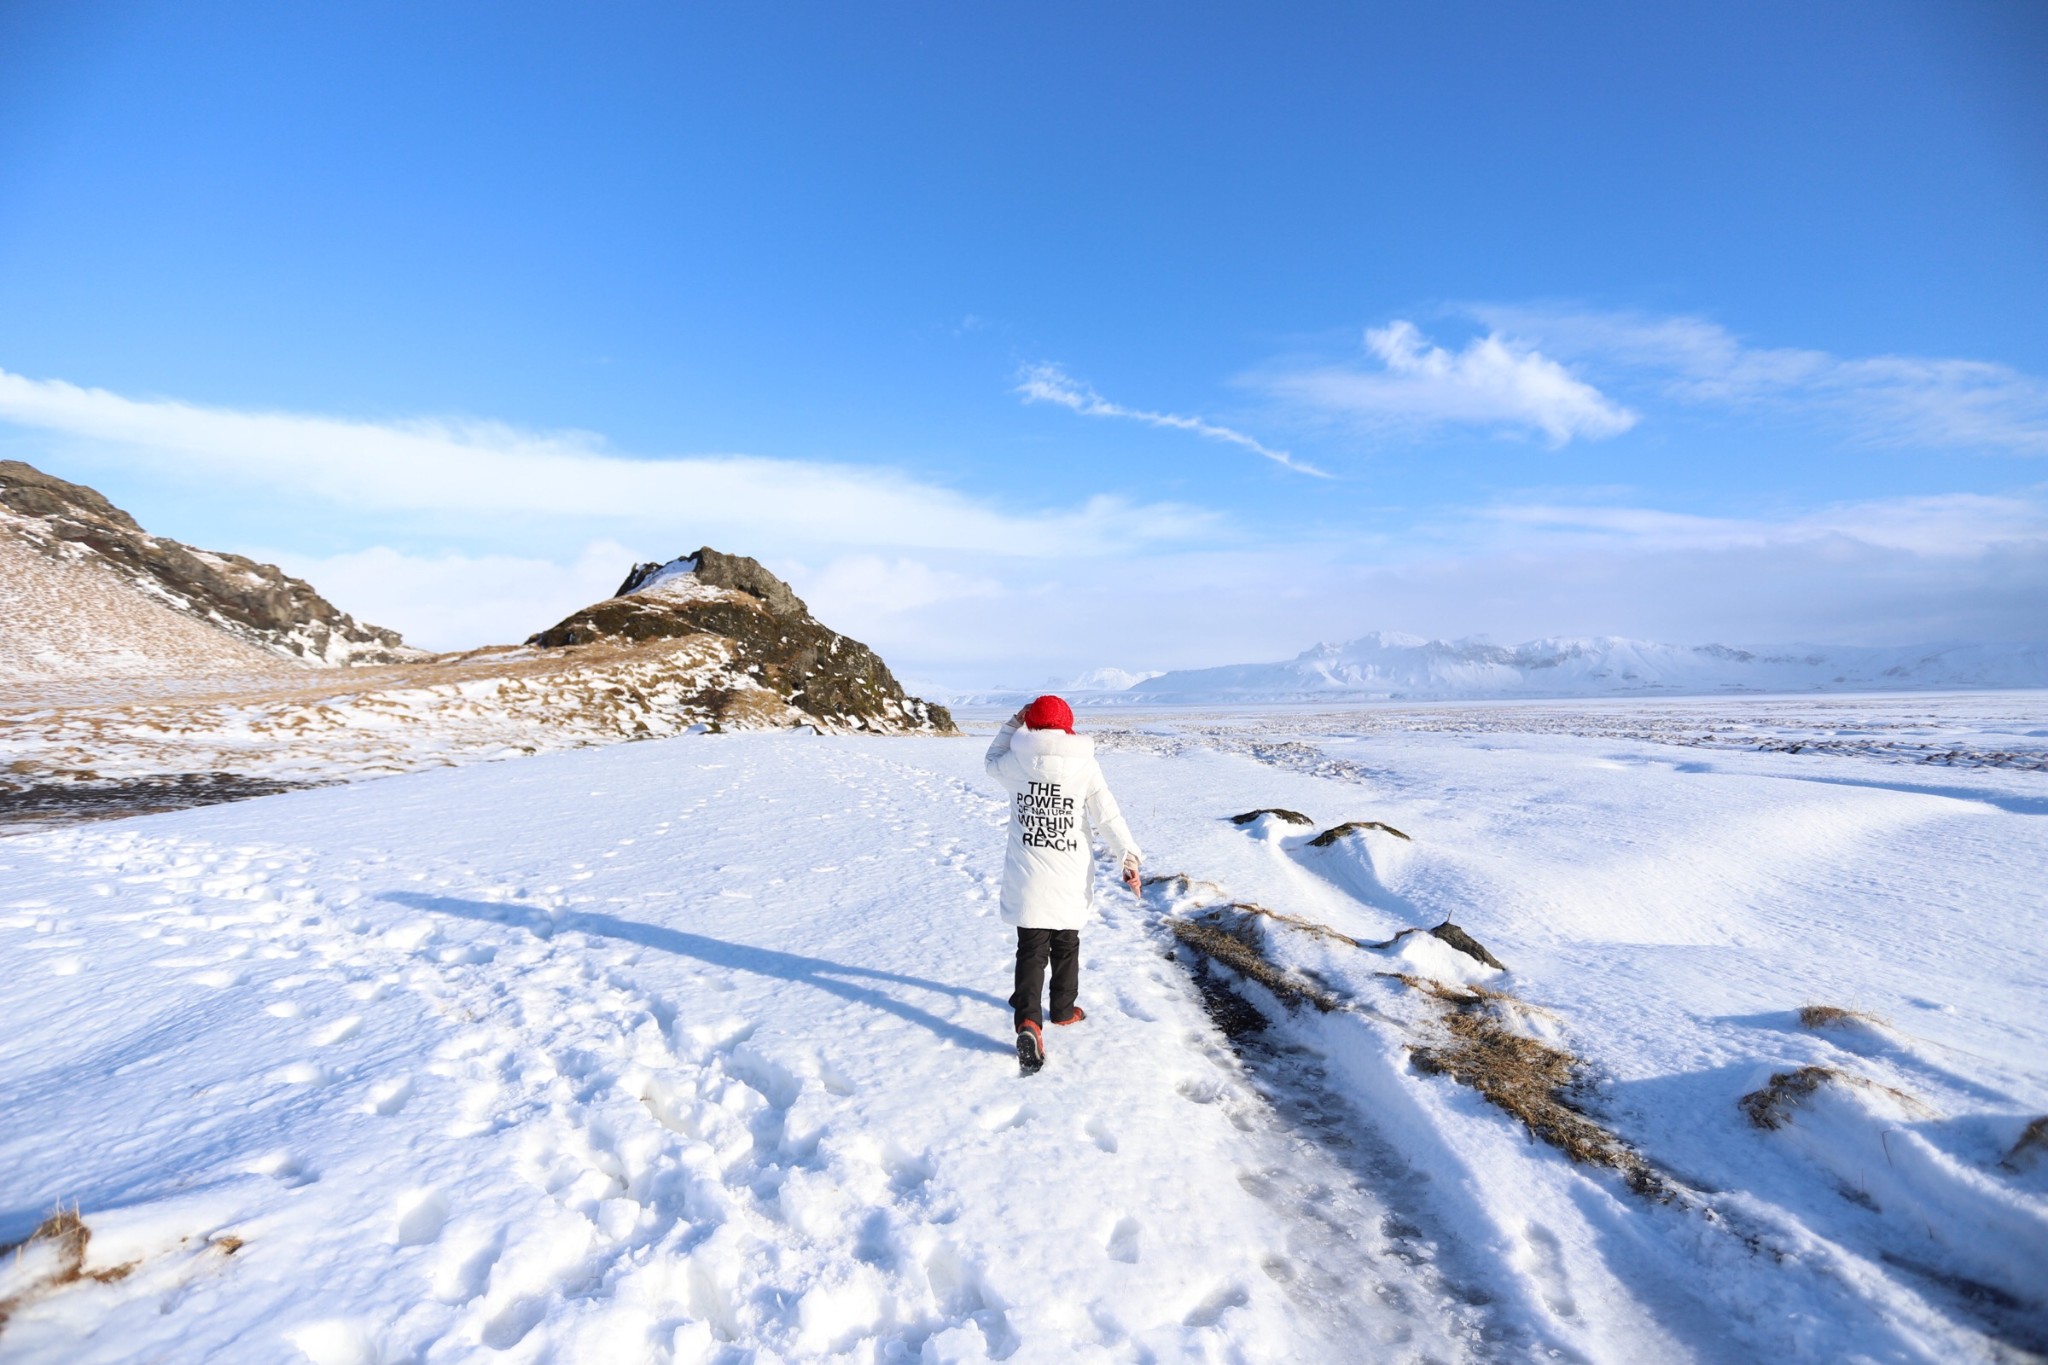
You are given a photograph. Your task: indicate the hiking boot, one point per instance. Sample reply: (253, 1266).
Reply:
(1072, 1016)
(1030, 1048)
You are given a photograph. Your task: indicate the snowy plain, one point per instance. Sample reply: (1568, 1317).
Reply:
(695, 1049)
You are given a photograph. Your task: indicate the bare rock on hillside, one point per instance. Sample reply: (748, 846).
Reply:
(258, 604)
(837, 681)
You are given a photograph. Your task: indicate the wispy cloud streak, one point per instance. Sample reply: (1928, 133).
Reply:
(1048, 383)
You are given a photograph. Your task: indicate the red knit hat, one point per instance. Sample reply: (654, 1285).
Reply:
(1049, 713)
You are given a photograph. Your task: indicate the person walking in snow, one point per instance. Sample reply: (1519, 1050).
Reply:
(1058, 798)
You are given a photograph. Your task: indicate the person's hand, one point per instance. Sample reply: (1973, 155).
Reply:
(1131, 878)
(1018, 719)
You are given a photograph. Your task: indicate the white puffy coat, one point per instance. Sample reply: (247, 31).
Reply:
(1058, 797)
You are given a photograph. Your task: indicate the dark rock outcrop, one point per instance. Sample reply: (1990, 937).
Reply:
(839, 681)
(256, 603)
(1466, 944)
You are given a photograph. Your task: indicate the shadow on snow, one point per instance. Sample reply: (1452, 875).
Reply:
(822, 973)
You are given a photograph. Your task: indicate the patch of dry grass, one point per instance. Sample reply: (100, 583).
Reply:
(1292, 817)
(2032, 1145)
(1336, 832)
(1772, 1106)
(67, 1235)
(1526, 1078)
(63, 1238)
(1833, 1016)
(1237, 946)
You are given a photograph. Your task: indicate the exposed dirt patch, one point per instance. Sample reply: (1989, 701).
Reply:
(1292, 817)
(1336, 832)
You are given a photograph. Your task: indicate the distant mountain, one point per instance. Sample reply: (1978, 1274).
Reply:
(1109, 680)
(1408, 667)
(89, 592)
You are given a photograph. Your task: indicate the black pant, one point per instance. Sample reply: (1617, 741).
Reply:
(1034, 946)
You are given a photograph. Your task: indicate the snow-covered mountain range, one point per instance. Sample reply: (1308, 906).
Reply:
(1409, 667)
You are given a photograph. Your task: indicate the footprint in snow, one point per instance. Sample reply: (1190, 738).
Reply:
(508, 1326)
(1210, 1310)
(1123, 1241)
(285, 1168)
(907, 1173)
(1134, 1009)
(388, 1097)
(1100, 1133)
(833, 1079)
(1542, 1259)
(421, 1216)
(340, 1031)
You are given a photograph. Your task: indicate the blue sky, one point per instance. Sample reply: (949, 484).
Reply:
(1029, 339)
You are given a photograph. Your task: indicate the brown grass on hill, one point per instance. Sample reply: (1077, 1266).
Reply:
(1527, 1078)
(1292, 817)
(67, 1233)
(1237, 947)
(1336, 832)
(1832, 1016)
(2032, 1144)
(1772, 1106)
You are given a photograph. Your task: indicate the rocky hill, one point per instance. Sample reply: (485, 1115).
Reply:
(779, 644)
(138, 673)
(258, 605)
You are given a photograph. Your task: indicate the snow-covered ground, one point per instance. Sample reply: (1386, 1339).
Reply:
(695, 1049)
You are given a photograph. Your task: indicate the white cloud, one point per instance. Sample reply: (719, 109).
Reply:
(1493, 382)
(871, 586)
(1048, 383)
(454, 601)
(1882, 400)
(482, 470)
